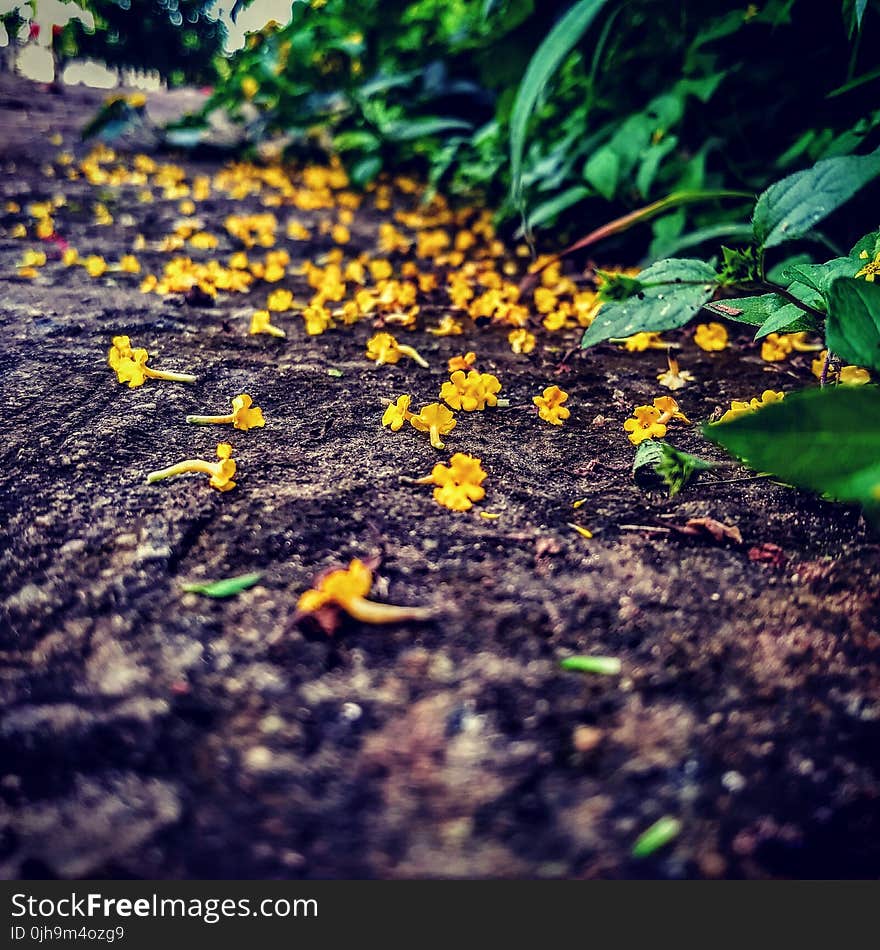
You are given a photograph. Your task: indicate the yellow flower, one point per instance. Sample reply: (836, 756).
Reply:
(669, 408)
(33, 259)
(244, 415)
(448, 326)
(347, 589)
(280, 300)
(675, 378)
(130, 365)
(250, 87)
(471, 392)
(550, 407)
(777, 346)
(129, 264)
(397, 413)
(28, 272)
(739, 408)
(221, 471)
(261, 322)
(204, 240)
(871, 269)
(70, 257)
(18, 230)
(459, 484)
(521, 341)
(639, 342)
(644, 424)
(462, 362)
(95, 265)
(436, 420)
(711, 337)
(854, 376)
(649, 422)
(383, 348)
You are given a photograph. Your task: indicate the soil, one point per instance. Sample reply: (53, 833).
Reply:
(149, 732)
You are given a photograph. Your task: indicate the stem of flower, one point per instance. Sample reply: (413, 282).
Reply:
(181, 468)
(207, 420)
(274, 331)
(826, 365)
(434, 432)
(171, 377)
(368, 611)
(412, 354)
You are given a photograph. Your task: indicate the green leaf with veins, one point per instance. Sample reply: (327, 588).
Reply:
(826, 440)
(853, 326)
(791, 207)
(670, 293)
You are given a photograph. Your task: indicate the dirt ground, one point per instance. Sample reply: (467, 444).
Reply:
(149, 732)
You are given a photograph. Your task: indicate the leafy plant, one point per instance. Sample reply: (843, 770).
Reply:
(672, 466)
(828, 439)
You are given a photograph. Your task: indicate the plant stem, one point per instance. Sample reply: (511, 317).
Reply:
(790, 297)
(368, 611)
(412, 354)
(171, 377)
(823, 379)
(181, 468)
(207, 420)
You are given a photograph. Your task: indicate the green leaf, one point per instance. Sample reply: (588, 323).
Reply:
(670, 293)
(820, 277)
(853, 327)
(228, 587)
(826, 440)
(765, 311)
(792, 206)
(601, 665)
(602, 171)
(548, 210)
(663, 831)
(547, 58)
(406, 130)
(788, 319)
(674, 467)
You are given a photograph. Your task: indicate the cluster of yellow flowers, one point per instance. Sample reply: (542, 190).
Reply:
(650, 422)
(738, 408)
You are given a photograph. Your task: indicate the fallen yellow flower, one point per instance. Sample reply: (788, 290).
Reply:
(521, 341)
(436, 420)
(550, 407)
(244, 415)
(397, 413)
(221, 471)
(459, 484)
(462, 362)
(280, 300)
(471, 392)
(130, 365)
(347, 588)
(711, 337)
(448, 326)
(738, 408)
(261, 322)
(639, 342)
(383, 348)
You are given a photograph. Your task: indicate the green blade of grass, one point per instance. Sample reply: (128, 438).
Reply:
(228, 587)
(601, 665)
(663, 831)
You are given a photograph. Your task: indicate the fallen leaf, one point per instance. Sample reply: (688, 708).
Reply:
(768, 553)
(697, 527)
